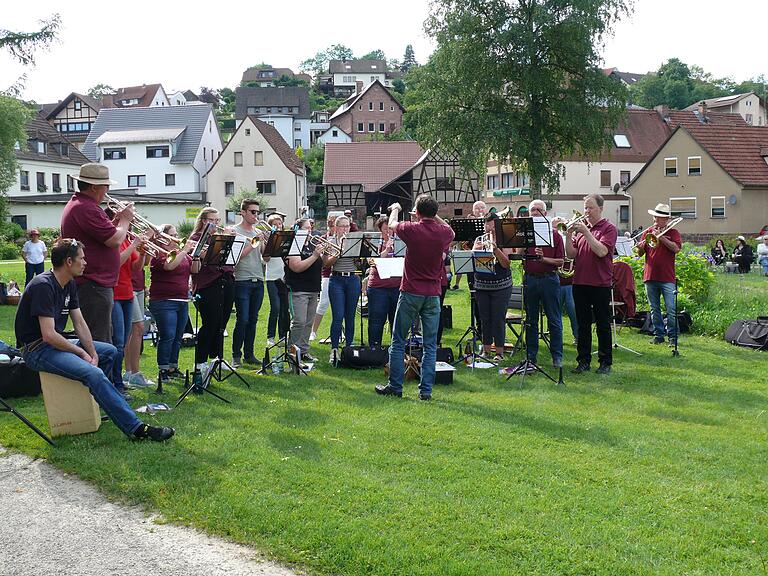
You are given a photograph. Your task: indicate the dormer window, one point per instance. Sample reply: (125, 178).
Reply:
(40, 147)
(347, 67)
(373, 66)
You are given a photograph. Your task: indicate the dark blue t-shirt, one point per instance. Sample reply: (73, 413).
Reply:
(45, 297)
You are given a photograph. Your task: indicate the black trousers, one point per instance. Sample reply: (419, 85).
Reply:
(593, 302)
(215, 304)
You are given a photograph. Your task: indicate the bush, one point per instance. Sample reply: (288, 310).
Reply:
(9, 251)
(184, 228)
(11, 232)
(49, 236)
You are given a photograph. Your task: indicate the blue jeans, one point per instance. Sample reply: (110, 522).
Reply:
(409, 307)
(544, 291)
(343, 292)
(33, 270)
(248, 298)
(566, 301)
(122, 318)
(654, 291)
(46, 358)
(763, 261)
(171, 318)
(382, 304)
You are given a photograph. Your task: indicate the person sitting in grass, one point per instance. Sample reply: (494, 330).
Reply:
(48, 301)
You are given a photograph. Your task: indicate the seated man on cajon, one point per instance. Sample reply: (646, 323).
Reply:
(49, 299)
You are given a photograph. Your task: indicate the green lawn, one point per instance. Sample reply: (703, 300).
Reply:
(659, 468)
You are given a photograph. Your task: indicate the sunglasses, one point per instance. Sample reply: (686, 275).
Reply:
(254, 212)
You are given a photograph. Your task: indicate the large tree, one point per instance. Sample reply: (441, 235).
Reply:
(23, 45)
(318, 64)
(409, 59)
(518, 79)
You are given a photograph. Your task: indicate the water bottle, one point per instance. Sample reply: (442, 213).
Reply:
(277, 367)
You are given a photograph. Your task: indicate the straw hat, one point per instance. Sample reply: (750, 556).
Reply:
(661, 210)
(93, 173)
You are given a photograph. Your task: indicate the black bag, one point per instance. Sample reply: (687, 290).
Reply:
(361, 357)
(684, 322)
(749, 333)
(17, 380)
(446, 315)
(443, 354)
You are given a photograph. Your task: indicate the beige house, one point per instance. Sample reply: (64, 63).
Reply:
(749, 106)
(712, 171)
(258, 160)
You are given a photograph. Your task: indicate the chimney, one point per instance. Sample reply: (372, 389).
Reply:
(703, 111)
(663, 111)
(358, 87)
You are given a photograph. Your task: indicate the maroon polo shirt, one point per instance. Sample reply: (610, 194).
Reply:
(426, 241)
(86, 222)
(591, 270)
(557, 250)
(208, 273)
(660, 261)
(169, 284)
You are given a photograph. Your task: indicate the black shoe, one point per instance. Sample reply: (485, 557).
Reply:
(604, 369)
(252, 362)
(154, 433)
(425, 397)
(657, 340)
(580, 368)
(176, 374)
(387, 390)
(309, 358)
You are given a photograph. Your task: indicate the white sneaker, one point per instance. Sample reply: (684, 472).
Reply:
(138, 380)
(334, 356)
(313, 336)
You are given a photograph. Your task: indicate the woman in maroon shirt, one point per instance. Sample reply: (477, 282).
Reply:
(168, 303)
(214, 288)
(382, 294)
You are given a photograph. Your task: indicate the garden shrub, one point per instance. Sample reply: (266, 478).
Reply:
(9, 251)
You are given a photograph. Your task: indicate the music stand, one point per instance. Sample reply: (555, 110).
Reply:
(223, 250)
(675, 351)
(8, 408)
(526, 232)
(280, 244)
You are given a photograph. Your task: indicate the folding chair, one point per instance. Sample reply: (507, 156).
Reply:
(515, 317)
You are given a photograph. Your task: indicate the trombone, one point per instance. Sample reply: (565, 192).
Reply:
(563, 227)
(141, 225)
(653, 239)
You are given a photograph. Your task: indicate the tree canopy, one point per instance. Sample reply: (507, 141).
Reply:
(100, 90)
(318, 64)
(23, 45)
(409, 60)
(517, 79)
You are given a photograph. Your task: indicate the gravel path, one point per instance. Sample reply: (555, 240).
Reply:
(52, 523)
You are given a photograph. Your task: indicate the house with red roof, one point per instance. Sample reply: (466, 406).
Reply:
(713, 172)
(749, 106)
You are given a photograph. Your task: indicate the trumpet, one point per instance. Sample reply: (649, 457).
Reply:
(328, 247)
(577, 217)
(653, 239)
(485, 241)
(150, 248)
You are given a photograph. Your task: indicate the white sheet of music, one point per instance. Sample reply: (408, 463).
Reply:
(389, 267)
(298, 242)
(624, 246)
(542, 229)
(237, 248)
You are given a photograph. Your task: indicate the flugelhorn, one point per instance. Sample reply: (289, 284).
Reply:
(141, 225)
(485, 241)
(326, 245)
(653, 239)
(577, 217)
(567, 269)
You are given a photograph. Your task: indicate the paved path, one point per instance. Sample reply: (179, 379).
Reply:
(55, 524)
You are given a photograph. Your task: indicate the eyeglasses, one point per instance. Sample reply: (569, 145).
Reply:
(212, 219)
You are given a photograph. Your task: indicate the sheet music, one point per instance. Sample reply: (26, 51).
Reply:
(399, 247)
(624, 246)
(542, 229)
(237, 249)
(299, 240)
(389, 267)
(484, 262)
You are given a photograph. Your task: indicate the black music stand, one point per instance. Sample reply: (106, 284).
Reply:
(675, 351)
(361, 244)
(526, 233)
(5, 407)
(223, 250)
(283, 243)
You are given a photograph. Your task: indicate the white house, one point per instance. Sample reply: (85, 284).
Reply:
(749, 106)
(334, 134)
(47, 162)
(344, 74)
(156, 150)
(284, 107)
(257, 160)
(144, 96)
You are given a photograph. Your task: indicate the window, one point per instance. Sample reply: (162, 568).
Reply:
(78, 104)
(371, 127)
(624, 177)
(370, 105)
(507, 180)
(266, 187)
(391, 108)
(24, 179)
(605, 178)
(359, 106)
(335, 133)
(381, 126)
(205, 154)
(621, 141)
(694, 166)
(297, 128)
(170, 179)
(229, 188)
(297, 142)
(137, 181)
(381, 105)
(717, 207)
(748, 118)
(258, 158)
(159, 151)
(493, 181)
(670, 166)
(280, 109)
(624, 214)
(41, 187)
(210, 126)
(392, 126)
(269, 110)
(40, 147)
(230, 217)
(70, 183)
(458, 211)
(444, 183)
(683, 207)
(56, 182)
(238, 158)
(247, 131)
(360, 127)
(114, 153)
(373, 78)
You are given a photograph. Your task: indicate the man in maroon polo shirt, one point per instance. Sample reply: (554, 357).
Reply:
(659, 273)
(426, 241)
(590, 244)
(84, 220)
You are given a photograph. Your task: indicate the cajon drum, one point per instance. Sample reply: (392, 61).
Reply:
(70, 407)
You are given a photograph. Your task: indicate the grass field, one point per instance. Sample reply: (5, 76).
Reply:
(659, 468)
